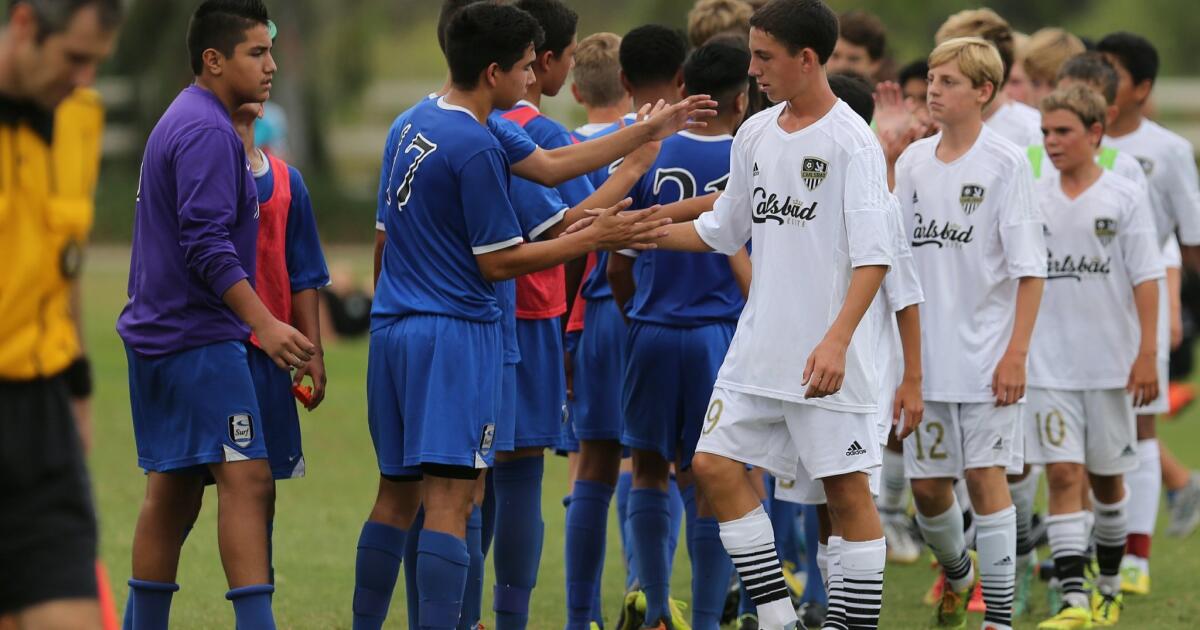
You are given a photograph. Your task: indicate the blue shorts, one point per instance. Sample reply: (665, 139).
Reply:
(280, 422)
(506, 424)
(599, 372)
(541, 383)
(567, 442)
(434, 392)
(669, 380)
(194, 408)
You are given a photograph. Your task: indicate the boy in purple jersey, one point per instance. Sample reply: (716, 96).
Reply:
(191, 310)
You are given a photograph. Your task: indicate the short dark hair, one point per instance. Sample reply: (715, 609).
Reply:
(450, 8)
(652, 54)
(865, 29)
(856, 91)
(1134, 52)
(53, 16)
(918, 69)
(222, 25)
(1094, 69)
(485, 33)
(718, 69)
(799, 24)
(558, 21)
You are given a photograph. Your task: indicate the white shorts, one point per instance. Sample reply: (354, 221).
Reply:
(785, 438)
(812, 491)
(954, 437)
(1094, 427)
(1162, 404)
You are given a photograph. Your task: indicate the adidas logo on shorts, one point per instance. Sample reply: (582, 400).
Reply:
(855, 449)
(1128, 452)
(999, 445)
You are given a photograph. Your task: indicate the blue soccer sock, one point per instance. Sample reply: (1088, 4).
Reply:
(473, 594)
(271, 550)
(650, 527)
(587, 522)
(624, 483)
(127, 622)
(678, 512)
(688, 495)
(412, 591)
(149, 606)
(711, 570)
(519, 533)
(783, 522)
(814, 585)
(442, 565)
(380, 549)
(488, 511)
(252, 606)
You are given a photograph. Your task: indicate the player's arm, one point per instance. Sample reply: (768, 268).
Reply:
(620, 278)
(284, 344)
(550, 168)
(380, 243)
(826, 365)
(1143, 376)
(743, 270)
(909, 402)
(1174, 295)
(305, 306)
(610, 229)
(1008, 381)
(614, 189)
(307, 273)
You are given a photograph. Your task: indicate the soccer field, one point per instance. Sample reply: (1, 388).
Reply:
(318, 518)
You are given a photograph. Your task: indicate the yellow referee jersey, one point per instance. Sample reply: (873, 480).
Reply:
(46, 211)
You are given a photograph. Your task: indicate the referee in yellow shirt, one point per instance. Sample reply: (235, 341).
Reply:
(50, 128)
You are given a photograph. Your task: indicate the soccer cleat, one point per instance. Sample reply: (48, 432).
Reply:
(794, 581)
(1106, 609)
(1069, 618)
(902, 546)
(1134, 580)
(594, 626)
(951, 611)
(732, 599)
(1179, 395)
(934, 594)
(812, 615)
(747, 622)
(633, 611)
(1184, 514)
(976, 603)
(678, 619)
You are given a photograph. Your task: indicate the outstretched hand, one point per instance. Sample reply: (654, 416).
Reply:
(665, 120)
(612, 228)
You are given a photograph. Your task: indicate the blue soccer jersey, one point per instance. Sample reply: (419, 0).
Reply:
(595, 286)
(678, 288)
(445, 202)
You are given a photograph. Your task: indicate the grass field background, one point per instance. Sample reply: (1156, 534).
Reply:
(318, 518)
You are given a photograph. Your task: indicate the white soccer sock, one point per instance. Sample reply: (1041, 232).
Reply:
(835, 615)
(963, 496)
(1023, 494)
(823, 564)
(1112, 526)
(944, 535)
(1145, 486)
(862, 574)
(892, 497)
(996, 542)
(1068, 543)
(750, 542)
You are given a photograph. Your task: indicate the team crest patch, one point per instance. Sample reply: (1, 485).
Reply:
(971, 197)
(487, 438)
(813, 172)
(1147, 165)
(1106, 230)
(241, 429)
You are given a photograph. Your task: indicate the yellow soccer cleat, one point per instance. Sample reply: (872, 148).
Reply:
(795, 583)
(678, 619)
(951, 610)
(1134, 580)
(1106, 609)
(633, 611)
(1069, 618)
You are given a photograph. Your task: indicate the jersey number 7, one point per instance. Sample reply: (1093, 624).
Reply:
(423, 148)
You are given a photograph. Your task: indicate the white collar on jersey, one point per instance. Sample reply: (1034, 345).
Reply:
(441, 102)
(691, 135)
(525, 103)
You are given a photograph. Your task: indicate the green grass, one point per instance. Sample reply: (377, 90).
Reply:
(318, 518)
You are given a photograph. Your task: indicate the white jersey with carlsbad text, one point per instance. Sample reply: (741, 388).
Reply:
(975, 230)
(1100, 245)
(1170, 167)
(815, 202)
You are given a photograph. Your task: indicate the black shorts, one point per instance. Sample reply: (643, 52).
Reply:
(47, 518)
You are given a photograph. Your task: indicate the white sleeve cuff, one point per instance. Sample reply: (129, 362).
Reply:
(495, 247)
(536, 232)
(380, 227)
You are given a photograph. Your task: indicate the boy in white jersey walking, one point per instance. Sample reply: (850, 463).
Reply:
(977, 240)
(1169, 164)
(799, 385)
(1101, 242)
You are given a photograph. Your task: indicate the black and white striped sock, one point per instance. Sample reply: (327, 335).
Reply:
(750, 542)
(1068, 545)
(835, 614)
(862, 582)
(996, 543)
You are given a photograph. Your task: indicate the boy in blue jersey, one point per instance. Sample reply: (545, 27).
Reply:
(651, 60)
(682, 314)
(451, 233)
(191, 310)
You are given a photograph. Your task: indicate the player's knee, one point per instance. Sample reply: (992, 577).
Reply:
(711, 470)
(1146, 428)
(1064, 477)
(931, 496)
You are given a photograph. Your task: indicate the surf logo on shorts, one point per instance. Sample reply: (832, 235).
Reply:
(971, 197)
(1106, 230)
(487, 438)
(241, 429)
(813, 171)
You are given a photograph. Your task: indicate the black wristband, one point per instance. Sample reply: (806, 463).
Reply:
(79, 377)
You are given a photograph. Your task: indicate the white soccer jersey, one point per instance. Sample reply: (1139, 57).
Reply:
(816, 204)
(1170, 167)
(1101, 244)
(976, 230)
(1018, 123)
